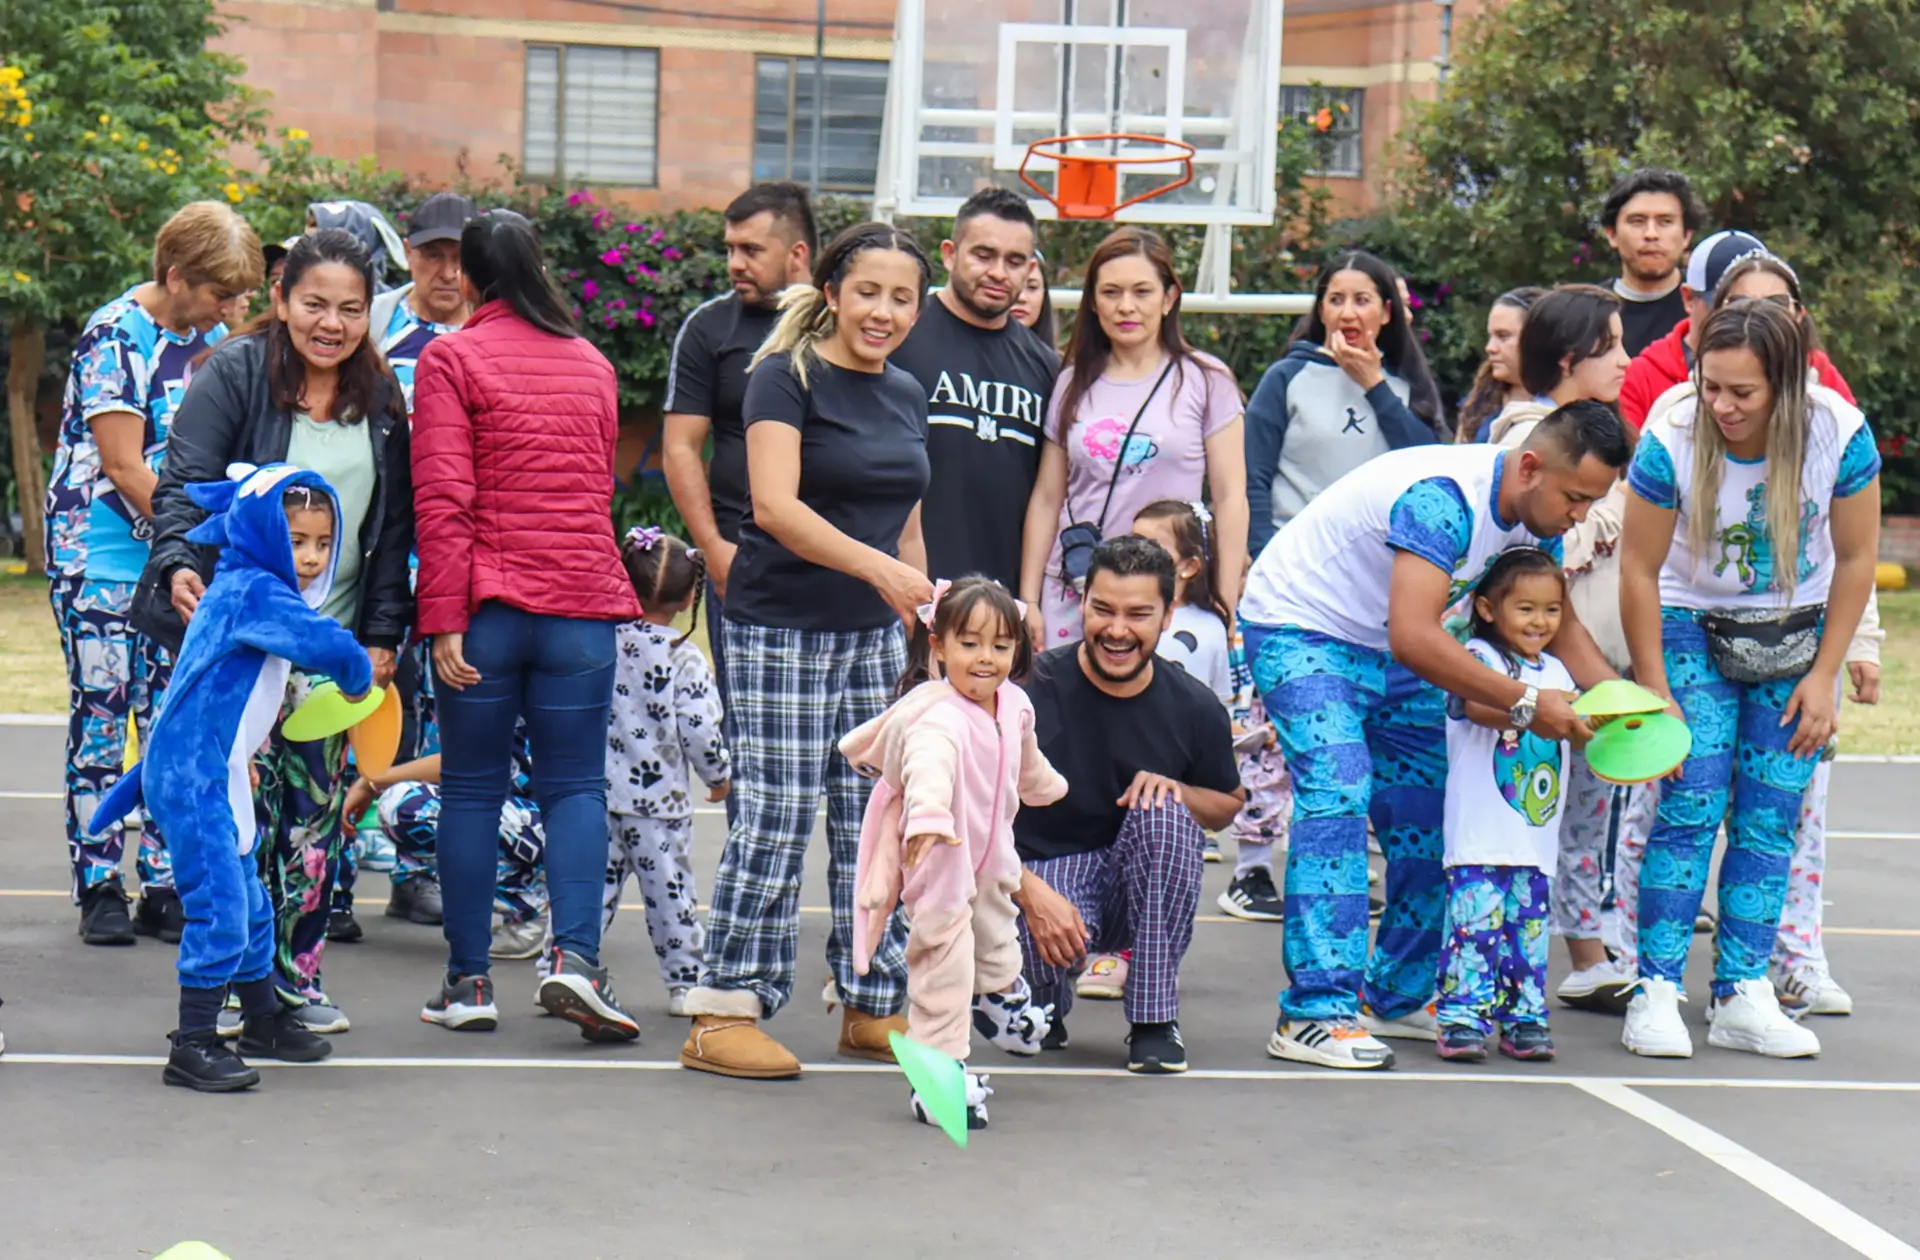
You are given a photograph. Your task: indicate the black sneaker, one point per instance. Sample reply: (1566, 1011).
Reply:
(342, 926)
(465, 1004)
(416, 900)
(1253, 897)
(160, 914)
(1461, 1045)
(205, 1064)
(283, 1036)
(1527, 1042)
(103, 915)
(1056, 1038)
(583, 994)
(1156, 1049)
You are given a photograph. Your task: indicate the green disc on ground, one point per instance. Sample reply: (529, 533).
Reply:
(1639, 748)
(327, 712)
(1615, 697)
(939, 1080)
(192, 1251)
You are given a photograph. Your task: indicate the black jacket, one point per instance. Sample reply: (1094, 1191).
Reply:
(228, 417)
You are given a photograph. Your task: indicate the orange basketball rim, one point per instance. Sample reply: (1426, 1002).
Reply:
(1087, 185)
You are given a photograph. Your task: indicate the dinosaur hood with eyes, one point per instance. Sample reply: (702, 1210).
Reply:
(230, 678)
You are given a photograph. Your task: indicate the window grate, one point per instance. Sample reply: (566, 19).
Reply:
(1344, 151)
(854, 104)
(592, 115)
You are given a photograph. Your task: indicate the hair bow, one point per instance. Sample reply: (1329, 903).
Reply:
(927, 610)
(644, 536)
(1200, 510)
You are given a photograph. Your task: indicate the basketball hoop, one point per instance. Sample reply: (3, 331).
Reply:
(1086, 185)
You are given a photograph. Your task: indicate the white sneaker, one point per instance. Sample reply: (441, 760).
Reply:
(1334, 1043)
(1811, 992)
(322, 1016)
(1751, 1020)
(1605, 987)
(677, 1002)
(1420, 1025)
(1654, 1027)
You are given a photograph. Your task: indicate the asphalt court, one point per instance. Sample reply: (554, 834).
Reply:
(414, 1141)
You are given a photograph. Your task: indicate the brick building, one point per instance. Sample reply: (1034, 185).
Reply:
(682, 106)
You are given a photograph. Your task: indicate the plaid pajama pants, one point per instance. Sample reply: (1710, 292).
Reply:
(794, 694)
(1140, 891)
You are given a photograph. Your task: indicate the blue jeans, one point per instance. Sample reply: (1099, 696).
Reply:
(557, 673)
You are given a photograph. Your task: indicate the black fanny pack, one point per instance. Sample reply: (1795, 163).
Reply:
(1762, 646)
(1079, 538)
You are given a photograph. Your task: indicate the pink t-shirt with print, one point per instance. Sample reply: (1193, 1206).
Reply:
(1167, 458)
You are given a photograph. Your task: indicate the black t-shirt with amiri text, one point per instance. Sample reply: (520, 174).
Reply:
(707, 376)
(1176, 727)
(863, 467)
(986, 391)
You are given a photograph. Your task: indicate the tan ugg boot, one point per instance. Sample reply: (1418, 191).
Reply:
(864, 1036)
(726, 1039)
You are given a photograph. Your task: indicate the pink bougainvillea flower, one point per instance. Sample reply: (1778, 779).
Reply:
(590, 290)
(671, 254)
(580, 197)
(612, 258)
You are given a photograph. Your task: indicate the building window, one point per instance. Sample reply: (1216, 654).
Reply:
(592, 115)
(1303, 104)
(855, 100)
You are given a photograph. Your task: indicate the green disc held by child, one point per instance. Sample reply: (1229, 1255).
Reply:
(939, 1080)
(1615, 697)
(1639, 748)
(327, 712)
(192, 1251)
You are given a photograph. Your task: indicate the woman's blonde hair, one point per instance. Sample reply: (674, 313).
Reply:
(1777, 339)
(805, 318)
(210, 244)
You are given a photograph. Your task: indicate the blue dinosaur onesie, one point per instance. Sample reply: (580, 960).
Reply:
(252, 626)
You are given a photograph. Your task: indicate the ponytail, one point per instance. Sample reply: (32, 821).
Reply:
(500, 253)
(805, 318)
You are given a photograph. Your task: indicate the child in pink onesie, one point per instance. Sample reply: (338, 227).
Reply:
(955, 758)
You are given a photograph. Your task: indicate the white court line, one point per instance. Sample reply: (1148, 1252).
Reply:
(32, 719)
(1826, 1213)
(32, 796)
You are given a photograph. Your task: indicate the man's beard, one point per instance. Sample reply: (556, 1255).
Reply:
(969, 298)
(1106, 675)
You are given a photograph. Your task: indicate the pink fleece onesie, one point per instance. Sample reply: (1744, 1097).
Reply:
(947, 768)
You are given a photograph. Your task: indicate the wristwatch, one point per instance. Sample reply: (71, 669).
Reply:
(1521, 714)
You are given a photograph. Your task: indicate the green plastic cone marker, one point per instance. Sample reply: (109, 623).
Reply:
(327, 712)
(1616, 697)
(192, 1251)
(1639, 748)
(939, 1080)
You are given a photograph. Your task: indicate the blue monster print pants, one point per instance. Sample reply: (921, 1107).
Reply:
(1364, 738)
(1493, 961)
(1739, 754)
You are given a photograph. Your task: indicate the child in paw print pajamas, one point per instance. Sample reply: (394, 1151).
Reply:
(663, 730)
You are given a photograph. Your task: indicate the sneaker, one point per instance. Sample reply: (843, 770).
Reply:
(677, 1001)
(1156, 1050)
(1376, 905)
(205, 1064)
(1056, 1038)
(103, 915)
(1750, 1019)
(1654, 1027)
(1012, 1020)
(977, 1094)
(373, 851)
(1704, 922)
(1529, 1043)
(1811, 992)
(465, 1004)
(1104, 979)
(416, 900)
(582, 994)
(1210, 851)
(1334, 1043)
(1417, 1025)
(282, 1036)
(520, 938)
(230, 1023)
(160, 914)
(1253, 897)
(322, 1016)
(343, 927)
(1461, 1045)
(1605, 987)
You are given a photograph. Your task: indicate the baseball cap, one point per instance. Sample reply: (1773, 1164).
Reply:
(439, 218)
(1711, 258)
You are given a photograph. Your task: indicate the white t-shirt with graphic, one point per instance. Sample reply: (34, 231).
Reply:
(1197, 642)
(1739, 569)
(1505, 788)
(1330, 568)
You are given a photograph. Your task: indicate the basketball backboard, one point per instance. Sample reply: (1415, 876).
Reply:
(974, 82)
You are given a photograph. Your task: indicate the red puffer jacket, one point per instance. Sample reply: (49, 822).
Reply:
(513, 441)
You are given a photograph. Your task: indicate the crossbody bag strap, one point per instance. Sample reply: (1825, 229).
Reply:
(1120, 456)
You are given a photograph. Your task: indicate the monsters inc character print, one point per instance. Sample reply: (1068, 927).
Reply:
(1503, 786)
(1526, 769)
(1747, 547)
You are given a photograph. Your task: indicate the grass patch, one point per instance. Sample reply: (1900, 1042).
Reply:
(1893, 725)
(33, 673)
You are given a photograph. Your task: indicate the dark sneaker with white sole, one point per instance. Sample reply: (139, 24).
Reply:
(1156, 1050)
(103, 915)
(342, 927)
(282, 1036)
(416, 900)
(1461, 1045)
(1253, 897)
(464, 1004)
(1056, 1038)
(160, 914)
(204, 1063)
(582, 994)
(1529, 1043)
